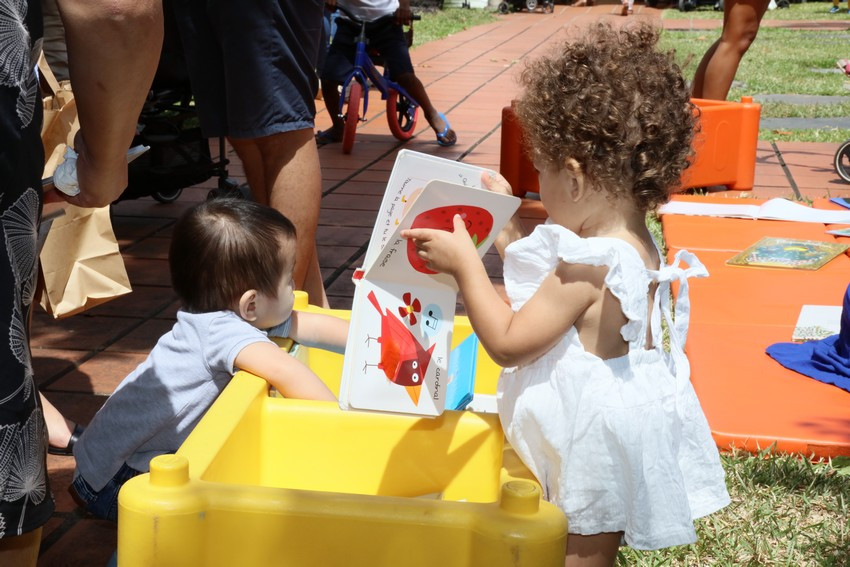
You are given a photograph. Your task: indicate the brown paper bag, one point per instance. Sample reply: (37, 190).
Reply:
(80, 263)
(60, 123)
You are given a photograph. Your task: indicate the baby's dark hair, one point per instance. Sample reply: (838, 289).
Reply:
(615, 104)
(223, 247)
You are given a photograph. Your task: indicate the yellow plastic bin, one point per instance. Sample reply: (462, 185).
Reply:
(265, 480)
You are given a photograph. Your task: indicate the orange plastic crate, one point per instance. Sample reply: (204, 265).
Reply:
(724, 147)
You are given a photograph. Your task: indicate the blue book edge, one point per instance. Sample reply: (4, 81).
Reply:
(843, 201)
(461, 385)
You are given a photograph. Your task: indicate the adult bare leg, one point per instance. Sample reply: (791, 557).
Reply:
(59, 428)
(283, 172)
(598, 550)
(717, 69)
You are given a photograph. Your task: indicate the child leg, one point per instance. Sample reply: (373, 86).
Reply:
(330, 94)
(103, 503)
(598, 550)
(414, 87)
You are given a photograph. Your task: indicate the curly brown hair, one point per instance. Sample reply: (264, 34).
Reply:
(615, 104)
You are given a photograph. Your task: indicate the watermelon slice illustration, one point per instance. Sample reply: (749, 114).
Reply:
(479, 223)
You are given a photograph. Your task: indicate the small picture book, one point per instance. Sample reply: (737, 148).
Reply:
(770, 252)
(773, 209)
(817, 322)
(402, 315)
(461, 385)
(839, 231)
(843, 201)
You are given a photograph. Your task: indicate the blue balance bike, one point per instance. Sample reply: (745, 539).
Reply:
(402, 109)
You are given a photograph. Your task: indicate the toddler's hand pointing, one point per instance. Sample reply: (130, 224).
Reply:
(443, 251)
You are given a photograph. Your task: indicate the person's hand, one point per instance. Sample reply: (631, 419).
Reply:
(403, 14)
(444, 251)
(101, 179)
(494, 182)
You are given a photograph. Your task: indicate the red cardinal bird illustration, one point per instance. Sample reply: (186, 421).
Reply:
(403, 359)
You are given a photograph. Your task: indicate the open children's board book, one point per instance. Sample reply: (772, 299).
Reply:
(774, 209)
(402, 315)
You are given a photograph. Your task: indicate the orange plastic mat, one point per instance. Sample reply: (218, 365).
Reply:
(752, 402)
(736, 295)
(749, 399)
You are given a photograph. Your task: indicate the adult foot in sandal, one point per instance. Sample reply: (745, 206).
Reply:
(445, 135)
(329, 136)
(68, 449)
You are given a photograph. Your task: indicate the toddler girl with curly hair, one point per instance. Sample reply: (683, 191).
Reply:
(600, 411)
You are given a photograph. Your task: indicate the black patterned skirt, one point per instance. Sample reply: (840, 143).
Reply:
(25, 499)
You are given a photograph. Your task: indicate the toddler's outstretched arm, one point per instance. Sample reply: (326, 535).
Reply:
(318, 330)
(510, 338)
(289, 376)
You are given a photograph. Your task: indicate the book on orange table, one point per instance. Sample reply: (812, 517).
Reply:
(773, 209)
(771, 252)
(402, 316)
(839, 231)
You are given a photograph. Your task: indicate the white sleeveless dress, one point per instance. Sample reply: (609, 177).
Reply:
(619, 444)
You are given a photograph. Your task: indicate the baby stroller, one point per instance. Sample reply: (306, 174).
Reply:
(179, 155)
(548, 6)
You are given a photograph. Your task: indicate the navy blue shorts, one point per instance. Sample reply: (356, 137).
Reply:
(383, 34)
(252, 63)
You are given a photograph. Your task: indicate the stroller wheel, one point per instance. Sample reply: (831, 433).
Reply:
(167, 196)
(530, 5)
(842, 161)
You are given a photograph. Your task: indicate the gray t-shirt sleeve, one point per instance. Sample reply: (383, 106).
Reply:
(226, 340)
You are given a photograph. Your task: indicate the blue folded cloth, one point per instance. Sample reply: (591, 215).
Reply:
(826, 360)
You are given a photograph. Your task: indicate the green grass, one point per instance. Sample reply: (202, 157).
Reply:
(831, 135)
(442, 23)
(785, 510)
(781, 61)
(802, 11)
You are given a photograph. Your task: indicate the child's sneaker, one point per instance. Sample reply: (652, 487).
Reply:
(834, 10)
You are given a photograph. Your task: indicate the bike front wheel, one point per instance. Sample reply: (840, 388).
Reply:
(401, 115)
(352, 116)
(842, 161)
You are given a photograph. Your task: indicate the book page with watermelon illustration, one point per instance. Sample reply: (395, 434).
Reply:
(411, 172)
(397, 355)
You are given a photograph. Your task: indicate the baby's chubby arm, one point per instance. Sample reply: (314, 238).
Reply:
(318, 330)
(288, 375)
(510, 338)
